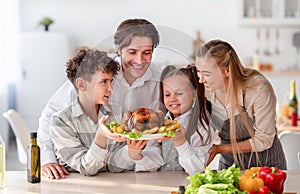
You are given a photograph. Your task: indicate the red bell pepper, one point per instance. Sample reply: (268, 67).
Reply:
(273, 178)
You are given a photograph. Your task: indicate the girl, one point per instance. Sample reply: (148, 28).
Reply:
(184, 99)
(243, 109)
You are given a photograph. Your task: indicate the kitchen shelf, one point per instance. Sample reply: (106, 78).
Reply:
(270, 13)
(283, 73)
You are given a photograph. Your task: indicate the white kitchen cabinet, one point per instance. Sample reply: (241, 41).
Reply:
(43, 58)
(276, 13)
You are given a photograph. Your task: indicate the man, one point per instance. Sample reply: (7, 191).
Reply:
(135, 40)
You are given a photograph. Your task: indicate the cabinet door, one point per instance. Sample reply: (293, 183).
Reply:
(43, 58)
(271, 13)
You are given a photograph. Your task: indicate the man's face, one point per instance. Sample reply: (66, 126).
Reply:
(136, 57)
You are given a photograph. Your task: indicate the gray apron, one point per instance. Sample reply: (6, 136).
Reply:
(273, 156)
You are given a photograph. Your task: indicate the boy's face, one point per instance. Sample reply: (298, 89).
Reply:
(99, 87)
(178, 94)
(136, 57)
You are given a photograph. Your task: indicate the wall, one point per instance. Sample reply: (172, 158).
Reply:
(92, 23)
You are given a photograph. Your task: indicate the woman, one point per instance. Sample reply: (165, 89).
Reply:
(243, 109)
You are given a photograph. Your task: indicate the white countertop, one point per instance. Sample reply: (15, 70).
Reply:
(130, 182)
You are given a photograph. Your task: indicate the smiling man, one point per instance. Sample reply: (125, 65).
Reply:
(135, 40)
(135, 86)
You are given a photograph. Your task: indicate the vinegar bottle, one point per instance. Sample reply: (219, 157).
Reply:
(33, 160)
(293, 103)
(2, 162)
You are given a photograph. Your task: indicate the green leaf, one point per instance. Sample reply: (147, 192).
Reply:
(46, 21)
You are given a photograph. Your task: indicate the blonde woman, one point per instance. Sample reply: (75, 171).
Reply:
(243, 109)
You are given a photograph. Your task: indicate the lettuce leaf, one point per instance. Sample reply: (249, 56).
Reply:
(225, 181)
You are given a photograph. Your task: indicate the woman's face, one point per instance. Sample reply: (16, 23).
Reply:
(136, 57)
(178, 94)
(210, 74)
(99, 88)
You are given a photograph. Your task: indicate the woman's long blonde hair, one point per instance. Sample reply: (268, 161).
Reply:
(225, 57)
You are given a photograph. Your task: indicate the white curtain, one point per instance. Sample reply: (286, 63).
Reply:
(9, 25)
(9, 64)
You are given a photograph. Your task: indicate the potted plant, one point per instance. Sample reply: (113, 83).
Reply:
(46, 22)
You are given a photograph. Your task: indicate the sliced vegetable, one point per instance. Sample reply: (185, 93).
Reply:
(110, 125)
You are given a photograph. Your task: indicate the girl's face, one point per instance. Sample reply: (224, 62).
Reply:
(210, 74)
(99, 88)
(178, 94)
(136, 57)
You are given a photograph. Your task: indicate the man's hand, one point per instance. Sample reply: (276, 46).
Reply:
(135, 148)
(54, 171)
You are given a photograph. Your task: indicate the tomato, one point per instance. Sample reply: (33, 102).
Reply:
(264, 190)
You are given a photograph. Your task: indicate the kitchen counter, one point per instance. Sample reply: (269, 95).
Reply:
(281, 128)
(130, 182)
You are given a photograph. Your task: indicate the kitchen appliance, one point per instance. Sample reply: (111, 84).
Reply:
(296, 43)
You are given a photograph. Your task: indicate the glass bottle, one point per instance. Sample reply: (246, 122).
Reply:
(293, 103)
(2, 161)
(33, 160)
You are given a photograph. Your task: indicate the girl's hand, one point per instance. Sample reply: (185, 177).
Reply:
(135, 148)
(159, 140)
(104, 131)
(213, 151)
(179, 137)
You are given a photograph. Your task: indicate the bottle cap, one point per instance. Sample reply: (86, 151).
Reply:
(33, 134)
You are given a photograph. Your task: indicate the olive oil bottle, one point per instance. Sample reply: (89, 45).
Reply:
(33, 160)
(293, 103)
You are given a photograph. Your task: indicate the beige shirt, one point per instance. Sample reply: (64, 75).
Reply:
(260, 104)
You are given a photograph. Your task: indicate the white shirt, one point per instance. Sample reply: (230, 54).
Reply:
(193, 156)
(144, 92)
(62, 98)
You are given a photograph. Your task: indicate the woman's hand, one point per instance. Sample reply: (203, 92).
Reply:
(213, 151)
(54, 171)
(103, 130)
(135, 148)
